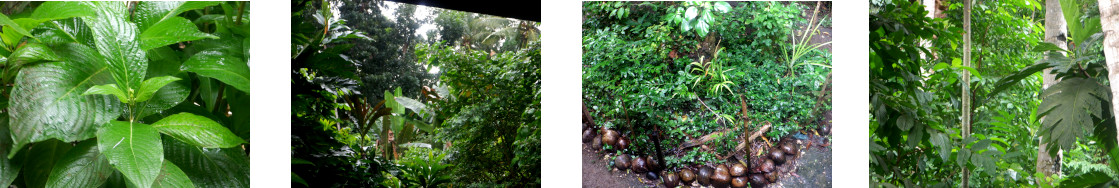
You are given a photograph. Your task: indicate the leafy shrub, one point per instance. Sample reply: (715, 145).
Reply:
(90, 87)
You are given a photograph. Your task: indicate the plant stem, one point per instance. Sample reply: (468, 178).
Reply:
(240, 12)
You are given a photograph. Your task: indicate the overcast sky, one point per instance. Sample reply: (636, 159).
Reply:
(421, 13)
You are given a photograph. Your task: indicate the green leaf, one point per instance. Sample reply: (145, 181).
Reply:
(116, 39)
(31, 53)
(1069, 108)
(722, 6)
(150, 86)
(82, 166)
(9, 23)
(150, 13)
(227, 167)
(1045, 47)
(1014, 78)
(197, 130)
(218, 65)
(63, 31)
(47, 100)
(973, 72)
(172, 176)
(297, 179)
(54, 10)
(944, 145)
(691, 13)
(1090, 179)
(108, 89)
(40, 161)
(133, 148)
(165, 62)
(173, 30)
(9, 168)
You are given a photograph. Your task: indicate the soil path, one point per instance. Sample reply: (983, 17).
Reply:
(597, 174)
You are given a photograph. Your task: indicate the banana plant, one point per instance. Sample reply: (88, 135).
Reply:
(102, 93)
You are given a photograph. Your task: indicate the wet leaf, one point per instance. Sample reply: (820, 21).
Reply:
(45, 154)
(61, 9)
(8, 167)
(150, 86)
(172, 176)
(218, 65)
(108, 89)
(47, 100)
(82, 166)
(210, 167)
(198, 131)
(116, 39)
(149, 13)
(171, 31)
(135, 149)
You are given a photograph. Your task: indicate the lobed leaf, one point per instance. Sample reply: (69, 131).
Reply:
(1070, 108)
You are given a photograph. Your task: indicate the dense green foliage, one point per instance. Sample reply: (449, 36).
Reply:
(143, 94)
(376, 104)
(646, 75)
(916, 98)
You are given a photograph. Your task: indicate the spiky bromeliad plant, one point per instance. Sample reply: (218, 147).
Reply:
(90, 86)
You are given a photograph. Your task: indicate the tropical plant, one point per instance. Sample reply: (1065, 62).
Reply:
(714, 70)
(801, 47)
(697, 15)
(424, 168)
(110, 82)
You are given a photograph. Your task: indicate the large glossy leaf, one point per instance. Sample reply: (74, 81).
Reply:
(8, 167)
(61, 9)
(133, 148)
(219, 65)
(1071, 108)
(40, 160)
(170, 31)
(82, 166)
(149, 13)
(116, 39)
(63, 31)
(226, 168)
(197, 130)
(30, 53)
(172, 176)
(47, 100)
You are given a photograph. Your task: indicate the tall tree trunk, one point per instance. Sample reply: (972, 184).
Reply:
(966, 84)
(1054, 33)
(1109, 18)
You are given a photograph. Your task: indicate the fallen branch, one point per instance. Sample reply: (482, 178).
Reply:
(710, 137)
